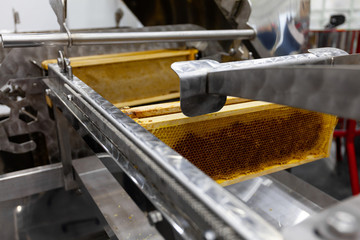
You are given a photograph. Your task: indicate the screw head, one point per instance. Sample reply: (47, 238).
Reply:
(78, 191)
(209, 235)
(342, 223)
(60, 63)
(61, 60)
(232, 51)
(19, 208)
(155, 217)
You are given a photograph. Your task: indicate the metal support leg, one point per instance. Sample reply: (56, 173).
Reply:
(30, 181)
(65, 151)
(124, 217)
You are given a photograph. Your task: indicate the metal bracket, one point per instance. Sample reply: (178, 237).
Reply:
(205, 84)
(65, 151)
(236, 11)
(29, 114)
(338, 222)
(60, 9)
(64, 65)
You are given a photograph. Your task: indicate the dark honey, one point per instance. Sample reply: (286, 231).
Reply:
(230, 147)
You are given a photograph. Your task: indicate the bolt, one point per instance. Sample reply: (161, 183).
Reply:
(48, 91)
(70, 97)
(67, 61)
(240, 50)
(34, 84)
(69, 72)
(78, 191)
(155, 217)
(60, 63)
(209, 235)
(342, 223)
(19, 208)
(232, 52)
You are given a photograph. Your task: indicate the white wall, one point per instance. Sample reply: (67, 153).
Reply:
(98, 14)
(37, 15)
(321, 10)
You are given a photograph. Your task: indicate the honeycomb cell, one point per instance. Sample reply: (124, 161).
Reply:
(232, 147)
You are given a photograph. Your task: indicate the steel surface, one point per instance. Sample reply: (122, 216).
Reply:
(278, 199)
(340, 221)
(122, 214)
(201, 91)
(62, 39)
(160, 161)
(30, 181)
(326, 89)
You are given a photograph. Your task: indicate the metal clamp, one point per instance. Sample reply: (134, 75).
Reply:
(64, 65)
(205, 84)
(65, 151)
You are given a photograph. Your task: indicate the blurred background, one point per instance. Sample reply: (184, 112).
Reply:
(15, 14)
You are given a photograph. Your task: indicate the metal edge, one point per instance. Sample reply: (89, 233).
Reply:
(170, 212)
(30, 181)
(122, 214)
(226, 206)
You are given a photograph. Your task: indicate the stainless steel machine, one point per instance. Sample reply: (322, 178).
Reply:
(99, 175)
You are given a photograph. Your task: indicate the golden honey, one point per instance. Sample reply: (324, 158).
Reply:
(237, 147)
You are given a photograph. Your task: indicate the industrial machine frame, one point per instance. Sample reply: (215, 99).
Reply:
(191, 202)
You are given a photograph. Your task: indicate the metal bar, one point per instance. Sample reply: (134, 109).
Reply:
(169, 212)
(340, 221)
(33, 40)
(123, 216)
(62, 39)
(60, 9)
(326, 89)
(30, 181)
(65, 150)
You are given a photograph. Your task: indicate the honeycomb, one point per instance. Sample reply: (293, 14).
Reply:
(131, 78)
(230, 148)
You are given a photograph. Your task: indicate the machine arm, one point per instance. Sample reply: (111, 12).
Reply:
(313, 87)
(327, 89)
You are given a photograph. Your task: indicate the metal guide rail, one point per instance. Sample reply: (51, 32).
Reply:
(198, 199)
